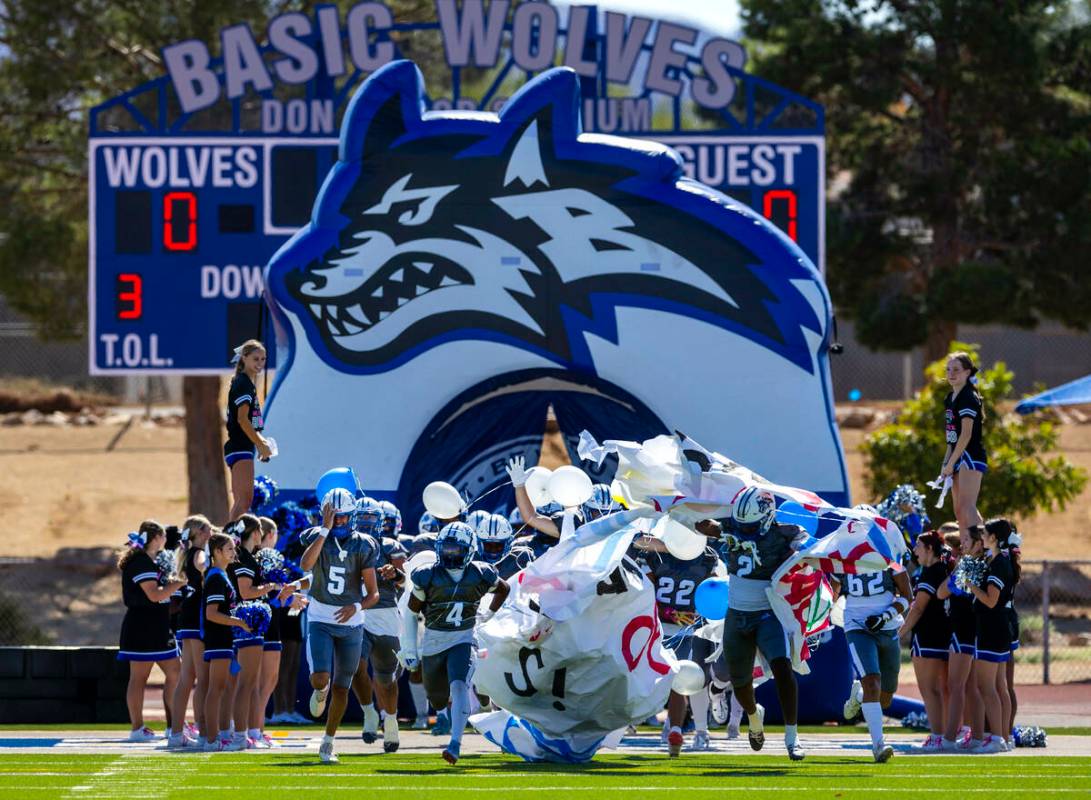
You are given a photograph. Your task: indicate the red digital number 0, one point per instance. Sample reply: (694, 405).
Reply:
(133, 295)
(782, 194)
(169, 202)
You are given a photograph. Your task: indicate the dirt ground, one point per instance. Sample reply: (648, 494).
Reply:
(66, 498)
(59, 487)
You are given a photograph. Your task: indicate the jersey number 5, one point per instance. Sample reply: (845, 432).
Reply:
(336, 583)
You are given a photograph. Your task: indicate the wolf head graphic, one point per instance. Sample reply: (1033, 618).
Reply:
(518, 228)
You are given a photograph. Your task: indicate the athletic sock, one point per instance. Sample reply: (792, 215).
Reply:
(699, 703)
(420, 699)
(873, 716)
(719, 686)
(460, 709)
(736, 712)
(756, 721)
(791, 734)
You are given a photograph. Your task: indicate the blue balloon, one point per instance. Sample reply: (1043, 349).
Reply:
(792, 513)
(855, 394)
(710, 600)
(337, 478)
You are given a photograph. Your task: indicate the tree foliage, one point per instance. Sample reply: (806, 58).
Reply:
(959, 137)
(1025, 475)
(59, 59)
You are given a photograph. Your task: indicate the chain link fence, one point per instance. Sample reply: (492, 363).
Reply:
(1053, 599)
(1048, 356)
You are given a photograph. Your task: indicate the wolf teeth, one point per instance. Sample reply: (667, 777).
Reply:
(378, 292)
(398, 275)
(351, 326)
(402, 301)
(383, 315)
(448, 281)
(357, 315)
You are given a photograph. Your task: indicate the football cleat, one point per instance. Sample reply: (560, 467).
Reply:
(318, 702)
(451, 752)
(701, 741)
(883, 753)
(795, 751)
(390, 734)
(675, 740)
(371, 725)
(325, 752)
(720, 706)
(851, 709)
(756, 728)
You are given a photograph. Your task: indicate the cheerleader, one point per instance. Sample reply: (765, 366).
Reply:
(244, 425)
(218, 638)
(145, 632)
(991, 601)
(962, 695)
(930, 629)
(193, 562)
(245, 579)
(965, 461)
(270, 650)
(1010, 541)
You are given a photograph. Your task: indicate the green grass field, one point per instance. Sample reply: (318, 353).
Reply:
(275, 776)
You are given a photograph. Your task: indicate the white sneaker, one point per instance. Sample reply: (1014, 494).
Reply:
(933, 744)
(969, 745)
(371, 724)
(947, 746)
(852, 705)
(258, 744)
(882, 753)
(231, 745)
(318, 701)
(390, 734)
(177, 741)
(270, 742)
(719, 705)
(144, 734)
(756, 732)
(992, 744)
(325, 752)
(795, 751)
(701, 741)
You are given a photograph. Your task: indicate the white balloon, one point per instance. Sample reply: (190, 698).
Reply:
(690, 678)
(681, 542)
(442, 500)
(537, 486)
(570, 486)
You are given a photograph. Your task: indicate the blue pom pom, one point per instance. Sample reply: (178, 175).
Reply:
(254, 613)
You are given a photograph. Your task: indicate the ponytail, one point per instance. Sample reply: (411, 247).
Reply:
(243, 350)
(1009, 539)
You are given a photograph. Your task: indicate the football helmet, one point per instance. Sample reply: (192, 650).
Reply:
(475, 519)
(455, 545)
(494, 538)
(516, 518)
(428, 524)
(753, 512)
(344, 508)
(601, 503)
(392, 519)
(369, 516)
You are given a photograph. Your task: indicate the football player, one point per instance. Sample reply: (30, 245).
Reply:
(756, 545)
(342, 584)
(874, 605)
(447, 594)
(496, 546)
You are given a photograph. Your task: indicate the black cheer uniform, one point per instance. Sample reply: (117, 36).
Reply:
(238, 445)
(932, 633)
(965, 405)
(219, 593)
(145, 631)
(993, 624)
(245, 566)
(189, 622)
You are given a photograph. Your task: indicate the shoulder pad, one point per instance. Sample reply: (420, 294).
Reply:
(421, 577)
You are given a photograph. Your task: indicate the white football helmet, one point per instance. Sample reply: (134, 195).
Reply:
(494, 538)
(753, 512)
(456, 545)
(475, 519)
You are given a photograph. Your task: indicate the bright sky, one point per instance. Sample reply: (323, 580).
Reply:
(720, 17)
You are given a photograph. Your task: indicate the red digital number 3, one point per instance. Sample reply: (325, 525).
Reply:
(130, 291)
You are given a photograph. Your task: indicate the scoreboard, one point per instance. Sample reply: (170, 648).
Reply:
(181, 230)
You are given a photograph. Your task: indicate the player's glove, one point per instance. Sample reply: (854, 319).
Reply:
(517, 471)
(409, 659)
(876, 622)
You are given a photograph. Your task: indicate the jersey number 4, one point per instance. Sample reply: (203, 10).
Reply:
(336, 583)
(667, 588)
(454, 616)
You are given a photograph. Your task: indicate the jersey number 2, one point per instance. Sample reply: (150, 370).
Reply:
(666, 587)
(746, 566)
(336, 583)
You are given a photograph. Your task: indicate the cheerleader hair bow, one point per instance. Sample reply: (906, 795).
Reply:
(1015, 539)
(185, 534)
(137, 540)
(238, 355)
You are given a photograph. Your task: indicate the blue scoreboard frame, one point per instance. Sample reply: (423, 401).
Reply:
(186, 210)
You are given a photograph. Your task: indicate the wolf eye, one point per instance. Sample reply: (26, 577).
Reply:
(422, 202)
